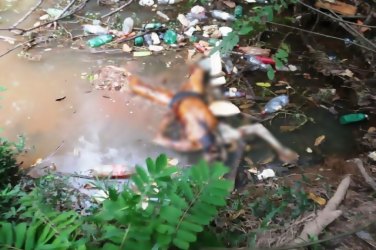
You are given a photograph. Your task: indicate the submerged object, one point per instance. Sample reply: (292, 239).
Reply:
(351, 118)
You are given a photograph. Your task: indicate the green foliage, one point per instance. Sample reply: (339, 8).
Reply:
(280, 57)
(276, 202)
(41, 227)
(227, 44)
(169, 208)
(8, 164)
(165, 208)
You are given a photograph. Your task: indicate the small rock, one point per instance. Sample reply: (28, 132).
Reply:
(127, 48)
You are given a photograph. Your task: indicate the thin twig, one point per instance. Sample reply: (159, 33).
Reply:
(16, 47)
(78, 8)
(358, 162)
(353, 31)
(66, 8)
(321, 34)
(335, 18)
(117, 10)
(27, 14)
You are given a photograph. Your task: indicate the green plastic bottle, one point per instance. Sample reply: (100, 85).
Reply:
(139, 41)
(238, 12)
(99, 40)
(170, 37)
(152, 26)
(351, 118)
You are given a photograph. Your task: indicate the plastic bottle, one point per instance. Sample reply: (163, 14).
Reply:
(155, 38)
(128, 25)
(95, 29)
(139, 41)
(170, 37)
(148, 39)
(351, 118)
(151, 26)
(99, 40)
(219, 14)
(256, 64)
(238, 12)
(276, 104)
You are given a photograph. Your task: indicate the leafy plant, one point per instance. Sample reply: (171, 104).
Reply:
(8, 163)
(42, 227)
(169, 208)
(296, 198)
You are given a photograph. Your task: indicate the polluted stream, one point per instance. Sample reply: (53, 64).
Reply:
(75, 128)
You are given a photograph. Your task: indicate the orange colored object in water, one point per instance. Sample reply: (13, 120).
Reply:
(116, 171)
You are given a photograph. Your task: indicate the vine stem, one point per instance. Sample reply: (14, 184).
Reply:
(125, 237)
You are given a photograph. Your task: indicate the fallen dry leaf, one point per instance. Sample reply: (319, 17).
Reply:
(319, 140)
(287, 128)
(319, 200)
(229, 4)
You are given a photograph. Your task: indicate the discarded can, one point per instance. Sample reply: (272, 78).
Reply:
(238, 12)
(139, 41)
(151, 26)
(99, 40)
(275, 104)
(219, 14)
(127, 25)
(351, 118)
(170, 37)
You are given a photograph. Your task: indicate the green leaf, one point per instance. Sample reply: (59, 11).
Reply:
(227, 44)
(161, 162)
(181, 244)
(270, 73)
(165, 229)
(151, 166)
(178, 201)
(186, 225)
(281, 53)
(142, 174)
(20, 231)
(186, 236)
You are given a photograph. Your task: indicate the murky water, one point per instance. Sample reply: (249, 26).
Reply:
(92, 127)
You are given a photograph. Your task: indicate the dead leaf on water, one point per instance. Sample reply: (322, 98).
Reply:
(281, 91)
(246, 106)
(263, 84)
(287, 128)
(319, 140)
(236, 215)
(267, 160)
(319, 200)
(60, 98)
